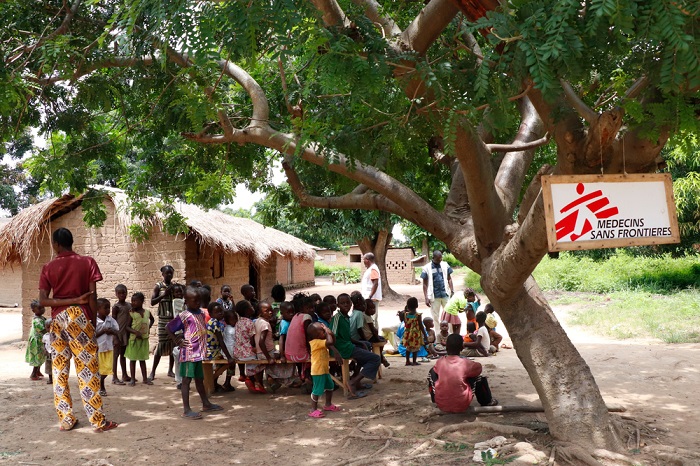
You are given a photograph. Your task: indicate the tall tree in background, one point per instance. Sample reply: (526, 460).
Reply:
(401, 98)
(329, 228)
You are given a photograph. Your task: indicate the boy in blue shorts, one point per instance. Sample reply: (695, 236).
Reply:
(321, 339)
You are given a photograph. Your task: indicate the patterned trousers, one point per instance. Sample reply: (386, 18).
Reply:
(72, 336)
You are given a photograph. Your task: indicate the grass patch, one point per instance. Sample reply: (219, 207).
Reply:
(351, 274)
(624, 296)
(633, 314)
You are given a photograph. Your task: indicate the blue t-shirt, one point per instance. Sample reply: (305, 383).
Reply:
(284, 326)
(439, 290)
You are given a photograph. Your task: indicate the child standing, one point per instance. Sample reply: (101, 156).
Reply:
(230, 318)
(35, 355)
(137, 349)
(321, 339)
(245, 339)
(48, 365)
(120, 313)
(225, 300)
(287, 314)
(107, 328)
(215, 337)
(193, 346)
(414, 333)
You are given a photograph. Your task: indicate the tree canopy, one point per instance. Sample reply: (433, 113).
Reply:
(410, 108)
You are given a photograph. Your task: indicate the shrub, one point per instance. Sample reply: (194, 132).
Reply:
(452, 260)
(352, 274)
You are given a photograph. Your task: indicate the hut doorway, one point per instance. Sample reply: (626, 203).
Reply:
(254, 278)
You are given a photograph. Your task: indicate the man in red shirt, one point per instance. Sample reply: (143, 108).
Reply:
(452, 378)
(71, 279)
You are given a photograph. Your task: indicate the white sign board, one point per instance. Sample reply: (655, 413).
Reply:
(609, 211)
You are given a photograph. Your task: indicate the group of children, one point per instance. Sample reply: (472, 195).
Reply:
(272, 343)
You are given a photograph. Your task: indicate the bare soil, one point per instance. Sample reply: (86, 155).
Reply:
(655, 382)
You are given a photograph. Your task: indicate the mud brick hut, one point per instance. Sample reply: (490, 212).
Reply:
(218, 249)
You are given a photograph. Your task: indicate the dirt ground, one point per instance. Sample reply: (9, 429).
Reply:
(656, 383)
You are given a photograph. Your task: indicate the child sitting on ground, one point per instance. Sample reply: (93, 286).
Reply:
(35, 354)
(441, 337)
(429, 325)
(107, 328)
(321, 340)
(215, 337)
(137, 349)
(245, 339)
(192, 345)
(491, 323)
(471, 332)
(482, 346)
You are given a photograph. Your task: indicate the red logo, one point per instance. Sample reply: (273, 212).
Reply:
(596, 204)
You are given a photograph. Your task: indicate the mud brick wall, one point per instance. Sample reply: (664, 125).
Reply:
(11, 285)
(121, 260)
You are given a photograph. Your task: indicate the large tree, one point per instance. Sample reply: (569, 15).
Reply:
(184, 98)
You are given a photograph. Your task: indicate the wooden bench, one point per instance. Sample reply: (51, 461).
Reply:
(210, 375)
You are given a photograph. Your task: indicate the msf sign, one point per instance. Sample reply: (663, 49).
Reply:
(597, 211)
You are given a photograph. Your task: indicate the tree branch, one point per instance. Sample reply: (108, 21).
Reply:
(636, 88)
(389, 27)
(365, 201)
(428, 25)
(516, 163)
(114, 62)
(333, 15)
(486, 207)
(62, 29)
(519, 146)
(579, 105)
(520, 255)
(532, 191)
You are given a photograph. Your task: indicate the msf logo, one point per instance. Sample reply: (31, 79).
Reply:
(587, 207)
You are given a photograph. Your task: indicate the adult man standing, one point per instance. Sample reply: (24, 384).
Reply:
(372, 284)
(435, 275)
(72, 278)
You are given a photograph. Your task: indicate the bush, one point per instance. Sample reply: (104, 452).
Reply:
(620, 272)
(452, 260)
(352, 274)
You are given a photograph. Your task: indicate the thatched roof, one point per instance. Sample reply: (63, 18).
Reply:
(20, 236)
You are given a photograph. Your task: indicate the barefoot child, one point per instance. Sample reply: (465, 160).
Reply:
(321, 340)
(120, 313)
(35, 354)
(491, 323)
(192, 343)
(429, 325)
(441, 337)
(414, 333)
(107, 328)
(137, 349)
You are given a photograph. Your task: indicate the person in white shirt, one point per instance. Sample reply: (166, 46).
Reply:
(482, 346)
(372, 284)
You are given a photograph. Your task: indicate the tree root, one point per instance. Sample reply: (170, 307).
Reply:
(498, 428)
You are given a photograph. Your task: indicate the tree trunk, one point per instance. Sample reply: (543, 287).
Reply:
(572, 402)
(379, 246)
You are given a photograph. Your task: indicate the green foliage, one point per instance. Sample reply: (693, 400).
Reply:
(452, 260)
(672, 318)
(347, 274)
(621, 272)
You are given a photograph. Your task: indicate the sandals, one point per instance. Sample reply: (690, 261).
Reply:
(333, 408)
(108, 425)
(358, 394)
(317, 414)
(192, 416)
(212, 407)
